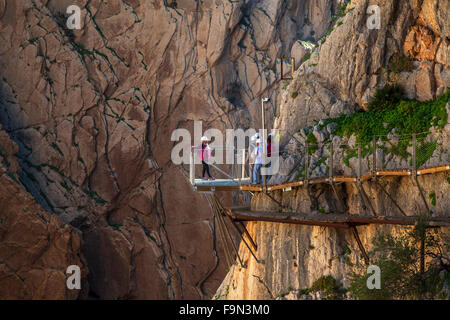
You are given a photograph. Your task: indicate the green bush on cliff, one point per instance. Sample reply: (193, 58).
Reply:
(329, 286)
(387, 111)
(386, 98)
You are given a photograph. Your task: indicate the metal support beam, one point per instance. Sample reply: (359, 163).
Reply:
(248, 235)
(390, 197)
(242, 238)
(341, 202)
(273, 199)
(227, 232)
(360, 245)
(366, 197)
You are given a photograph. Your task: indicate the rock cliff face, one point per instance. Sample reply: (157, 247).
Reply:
(410, 48)
(35, 247)
(92, 112)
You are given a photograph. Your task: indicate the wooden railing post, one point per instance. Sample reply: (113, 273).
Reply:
(359, 163)
(191, 168)
(374, 158)
(243, 164)
(306, 164)
(331, 163)
(414, 145)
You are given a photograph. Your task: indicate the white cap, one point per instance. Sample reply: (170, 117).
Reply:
(204, 138)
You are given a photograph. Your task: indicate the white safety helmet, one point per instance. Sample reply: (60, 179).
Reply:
(258, 141)
(204, 138)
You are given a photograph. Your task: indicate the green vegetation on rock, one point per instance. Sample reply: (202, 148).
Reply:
(398, 258)
(387, 111)
(329, 286)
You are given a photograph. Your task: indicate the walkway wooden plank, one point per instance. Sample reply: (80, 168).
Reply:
(286, 185)
(433, 170)
(251, 188)
(344, 179)
(332, 219)
(318, 180)
(233, 185)
(393, 172)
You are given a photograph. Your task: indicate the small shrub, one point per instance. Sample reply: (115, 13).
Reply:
(329, 286)
(400, 63)
(303, 291)
(432, 196)
(294, 95)
(306, 56)
(116, 226)
(386, 98)
(399, 257)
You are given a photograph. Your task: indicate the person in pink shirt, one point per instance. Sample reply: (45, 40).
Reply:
(204, 153)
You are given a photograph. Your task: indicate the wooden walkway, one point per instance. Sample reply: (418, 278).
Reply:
(365, 177)
(238, 215)
(328, 220)
(244, 184)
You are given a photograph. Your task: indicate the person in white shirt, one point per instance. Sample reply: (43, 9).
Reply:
(257, 159)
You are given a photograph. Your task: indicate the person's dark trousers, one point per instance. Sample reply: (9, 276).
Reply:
(205, 169)
(256, 179)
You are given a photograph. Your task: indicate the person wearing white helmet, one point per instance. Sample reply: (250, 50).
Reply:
(204, 153)
(257, 159)
(251, 148)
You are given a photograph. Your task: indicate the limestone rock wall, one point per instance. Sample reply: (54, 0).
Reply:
(92, 112)
(35, 248)
(340, 75)
(410, 49)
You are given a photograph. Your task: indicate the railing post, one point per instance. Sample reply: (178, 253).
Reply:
(331, 162)
(191, 168)
(243, 164)
(414, 145)
(374, 158)
(359, 162)
(307, 164)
